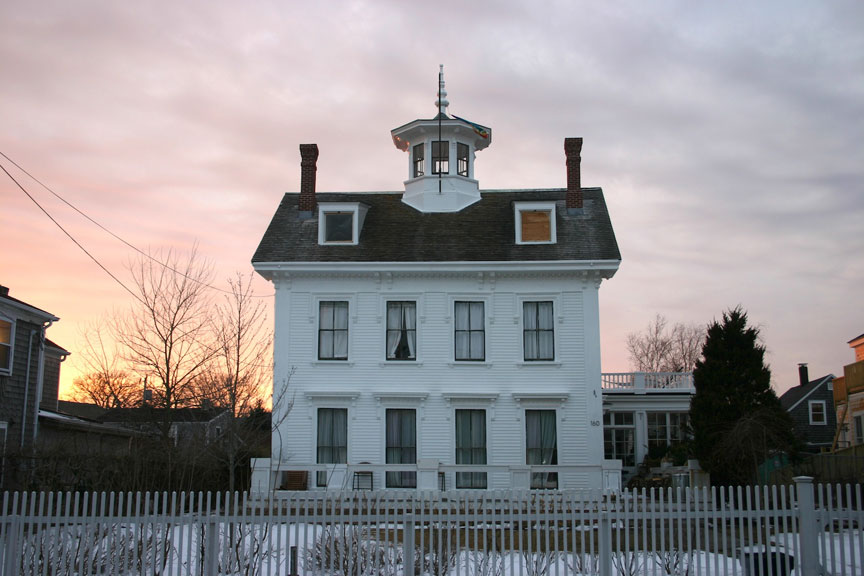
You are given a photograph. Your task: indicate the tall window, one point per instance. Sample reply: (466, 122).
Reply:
(538, 334)
(401, 446)
(401, 331)
(419, 159)
(5, 347)
(332, 439)
(470, 446)
(440, 157)
(541, 446)
(859, 429)
(618, 434)
(462, 159)
(469, 335)
(333, 331)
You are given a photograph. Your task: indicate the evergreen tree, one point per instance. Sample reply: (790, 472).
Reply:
(736, 417)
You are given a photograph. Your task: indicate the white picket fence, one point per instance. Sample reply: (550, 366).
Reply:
(764, 530)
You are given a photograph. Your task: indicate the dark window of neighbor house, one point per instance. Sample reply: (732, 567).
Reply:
(538, 331)
(401, 331)
(618, 437)
(440, 157)
(462, 159)
(419, 160)
(469, 333)
(401, 446)
(541, 447)
(470, 446)
(859, 429)
(5, 347)
(333, 331)
(332, 439)
(338, 227)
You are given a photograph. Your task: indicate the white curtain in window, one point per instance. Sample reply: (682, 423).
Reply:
(409, 313)
(541, 441)
(394, 328)
(401, 448)
(332, 439)
(529, 327)
(340, 335)
(546, 326)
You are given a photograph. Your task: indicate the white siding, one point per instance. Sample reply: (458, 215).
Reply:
(367, 383)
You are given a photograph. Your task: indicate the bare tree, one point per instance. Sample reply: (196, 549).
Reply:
(661, 349)
(240, 367)
(105, 382)
(166, 335)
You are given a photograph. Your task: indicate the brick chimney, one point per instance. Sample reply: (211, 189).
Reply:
(803, 377)
(4, 291)
(573, 150)
(308, 169)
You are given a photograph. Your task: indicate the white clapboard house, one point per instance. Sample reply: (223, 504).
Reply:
(441, 336)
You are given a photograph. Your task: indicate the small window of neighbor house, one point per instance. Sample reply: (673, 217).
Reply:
(535, 223)
(817, 413)
(6, 340)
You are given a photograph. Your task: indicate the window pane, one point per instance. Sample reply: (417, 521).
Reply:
(440, 157)
(469, 335)
(338, 227)
(536, 226)
(538, 331)
(401, 331)
(401, 446)
(419, 160)
(5, 332)
(462, 158)
(333, 331)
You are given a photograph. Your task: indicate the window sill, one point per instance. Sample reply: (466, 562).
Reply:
(479, 363)
(524, 363)
(332, 363)
(401, 363)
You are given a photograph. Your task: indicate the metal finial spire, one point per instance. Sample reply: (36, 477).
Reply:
(441, 103)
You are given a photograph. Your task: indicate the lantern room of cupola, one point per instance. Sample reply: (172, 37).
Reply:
(441, 158)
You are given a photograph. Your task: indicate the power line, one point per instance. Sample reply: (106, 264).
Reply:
(135, 248)
(71, 237)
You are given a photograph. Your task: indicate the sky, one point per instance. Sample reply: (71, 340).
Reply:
(728, 139)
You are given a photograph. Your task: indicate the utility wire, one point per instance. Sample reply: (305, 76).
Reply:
(135, 248)
(70, 236)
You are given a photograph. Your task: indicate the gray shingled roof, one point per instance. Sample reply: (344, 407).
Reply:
(484, 231)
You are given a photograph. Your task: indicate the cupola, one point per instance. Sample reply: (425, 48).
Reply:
(441, 158)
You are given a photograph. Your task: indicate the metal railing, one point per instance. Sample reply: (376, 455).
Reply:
(699, 531)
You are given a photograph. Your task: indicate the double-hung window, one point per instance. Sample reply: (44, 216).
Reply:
(462, 159)
(817, 413)
(470, 446)
(419, 159)
(332, 439)
(618, 437)
(541, 446)
(538, 331)
(6, 335)
(401, 331)
(440, 157)
(401, 447)
(469, 332)
(333, 331)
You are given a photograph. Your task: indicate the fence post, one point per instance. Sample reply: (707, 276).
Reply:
(211, 547)
(604, 537)
(11, 552)
(408, 546)
(808, 563)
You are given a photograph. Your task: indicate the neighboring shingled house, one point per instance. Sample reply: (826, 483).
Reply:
(811, 405)
(29, 374)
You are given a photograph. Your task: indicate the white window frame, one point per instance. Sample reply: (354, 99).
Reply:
(420, 318)
(810, 405)
(487, 320)
(519, 207)
(7, 370)
(318, 302)
(356, 209)
(556, 320)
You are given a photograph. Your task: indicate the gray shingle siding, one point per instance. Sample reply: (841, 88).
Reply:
(484, 231)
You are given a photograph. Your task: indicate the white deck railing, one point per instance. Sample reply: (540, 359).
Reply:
(647, 382)
(699, 531)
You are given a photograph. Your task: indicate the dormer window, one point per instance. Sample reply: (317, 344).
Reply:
(462, 159)
(535, 222)
(440, 157)
(419, 160)
(340, 223)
